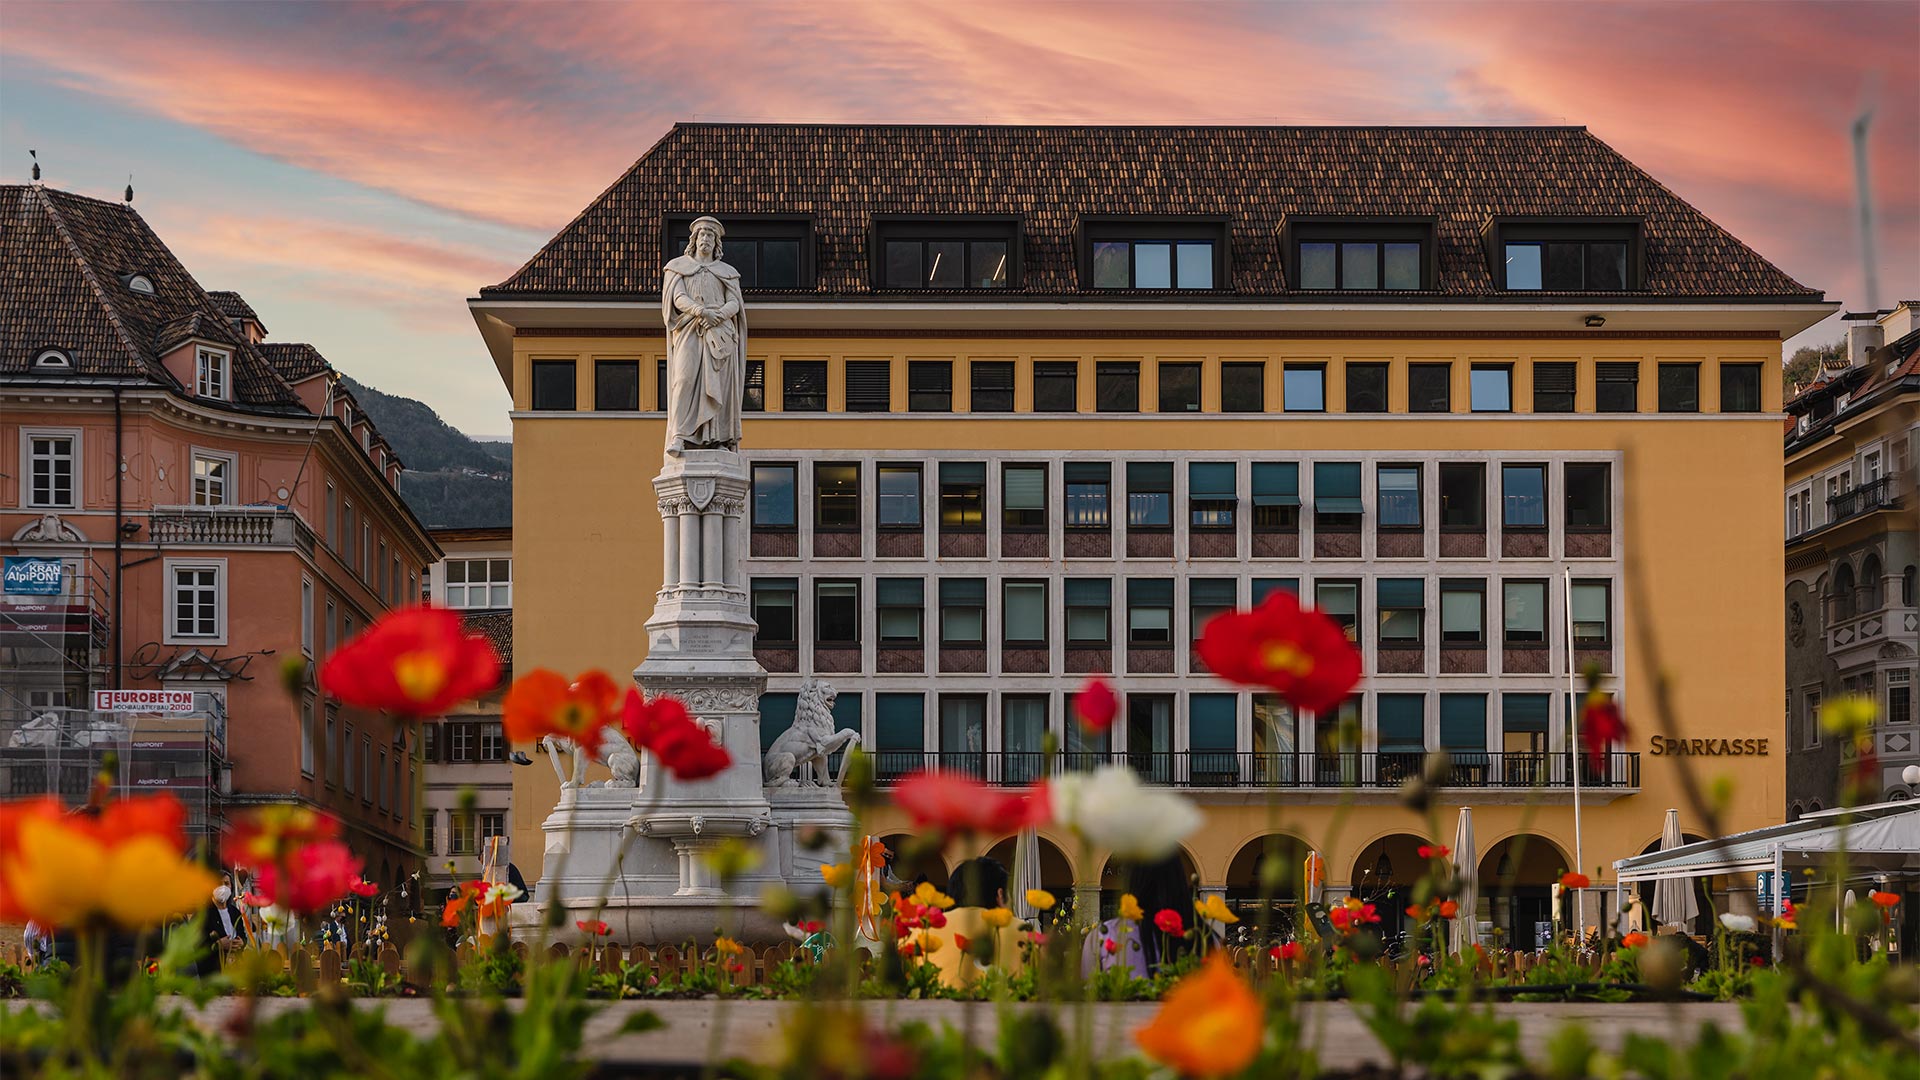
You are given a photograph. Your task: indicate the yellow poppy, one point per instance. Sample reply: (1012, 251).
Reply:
(836, 875)
(999, 918)
(1210, 1024)
(927, 896)
(728, 946)
(1130, 908)
(65, 875)
(1213, 907)
(1041, 899)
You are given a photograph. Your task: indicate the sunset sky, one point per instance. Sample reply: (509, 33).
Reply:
(359, 170)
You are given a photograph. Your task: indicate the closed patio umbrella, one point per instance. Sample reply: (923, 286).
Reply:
(1673, 899)
(1026, 873)
(1466, 863)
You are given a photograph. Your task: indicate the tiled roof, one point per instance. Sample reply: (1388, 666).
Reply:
(64, 261)
(294, 360)
(497, 628)
(845, 175)
(234, 306)
(1889, 369)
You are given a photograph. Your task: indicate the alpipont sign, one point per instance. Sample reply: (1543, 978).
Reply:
(1660, 746)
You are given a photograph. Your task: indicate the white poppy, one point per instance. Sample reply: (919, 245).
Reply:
(1110, 808)
(1739, 924)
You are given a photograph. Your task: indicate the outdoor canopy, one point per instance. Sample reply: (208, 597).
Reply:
(1884, 837)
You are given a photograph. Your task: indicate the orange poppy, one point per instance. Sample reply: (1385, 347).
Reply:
(543, 702)
(1210, 1024)
(417, 662)
(1298, 652)
(1573, 879)
(1633, 940)
(127, 866)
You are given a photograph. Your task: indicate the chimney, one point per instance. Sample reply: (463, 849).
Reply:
(1864, 334)
(1901, 321)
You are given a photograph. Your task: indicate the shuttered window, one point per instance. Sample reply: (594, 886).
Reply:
(1336, 487)
(1149, 611)
(1616, 387)
(1463, 721)
(1402, 723)
(1210, 494)
(1024, 500)
(868, 385)
(1553, 386)
(1089, 603)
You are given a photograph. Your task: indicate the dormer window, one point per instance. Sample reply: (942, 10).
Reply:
(947, 253)
(771, 252)
(139, 283)
(57, 359)
(1155, 254)
(212, 369)
(1360, 255)
(1567, 256)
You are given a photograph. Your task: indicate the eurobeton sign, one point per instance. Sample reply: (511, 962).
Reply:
(167, 702)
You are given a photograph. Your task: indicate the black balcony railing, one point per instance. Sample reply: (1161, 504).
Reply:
(1229, 768)
(1877, 495)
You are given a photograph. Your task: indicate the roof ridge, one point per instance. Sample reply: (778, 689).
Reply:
(92, 279)
(956, 125)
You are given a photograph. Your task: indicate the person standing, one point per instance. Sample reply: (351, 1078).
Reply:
(223, 927)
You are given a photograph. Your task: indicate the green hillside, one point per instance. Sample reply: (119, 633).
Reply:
(451, 479)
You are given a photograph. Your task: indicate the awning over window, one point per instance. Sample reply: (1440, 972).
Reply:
(1402, 593)
(1276, 483)
(1336, 487)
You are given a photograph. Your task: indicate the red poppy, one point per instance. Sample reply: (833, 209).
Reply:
(1111, 946)
(1759, 961)
(316, 875)
(1415, 911)
(956, 803)
(1301, 654)
(1433, 851)
(1341, 918)
(1884, 899)
(269, 834)
(1096, 705)
(1168, 920)
(1448, 909)
(808, 926)
(1601, 725)
(1288, 951)
(1633, 940)
(417, 662)
(363, 888)
(962, 941)
(543, 702)
(1573, 879)
(596, 928)
(663, 727)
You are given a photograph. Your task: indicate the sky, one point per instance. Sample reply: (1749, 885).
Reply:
(359, 170)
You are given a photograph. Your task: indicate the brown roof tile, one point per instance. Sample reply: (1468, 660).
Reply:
(497, 628)
(234, 306)
(844, 175)
(294, 360)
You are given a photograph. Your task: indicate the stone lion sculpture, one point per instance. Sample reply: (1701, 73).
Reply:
(618, 754)
(808, 744)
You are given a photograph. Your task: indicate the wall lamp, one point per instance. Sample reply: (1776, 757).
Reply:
(1596, 321)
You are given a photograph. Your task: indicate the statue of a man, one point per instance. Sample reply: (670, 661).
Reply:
(706, 344)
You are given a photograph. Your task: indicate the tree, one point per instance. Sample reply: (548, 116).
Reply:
(1805, 363)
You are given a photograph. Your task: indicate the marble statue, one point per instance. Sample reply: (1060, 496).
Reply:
(706, 345)
(808, 744)
(618, 754)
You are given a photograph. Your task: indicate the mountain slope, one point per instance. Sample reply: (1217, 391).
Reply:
(451, 479)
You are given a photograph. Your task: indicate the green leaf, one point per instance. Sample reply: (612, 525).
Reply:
(640, 1022)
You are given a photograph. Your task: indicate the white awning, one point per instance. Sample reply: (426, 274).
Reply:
(1883, 837)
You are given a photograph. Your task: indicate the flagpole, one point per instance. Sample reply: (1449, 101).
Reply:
(1573, 760)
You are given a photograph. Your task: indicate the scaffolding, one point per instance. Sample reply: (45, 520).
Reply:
(58, 751)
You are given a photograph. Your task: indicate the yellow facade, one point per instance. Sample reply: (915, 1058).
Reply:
(1699, 534)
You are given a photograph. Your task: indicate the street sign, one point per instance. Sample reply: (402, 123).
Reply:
(163, 702)
(29, 576)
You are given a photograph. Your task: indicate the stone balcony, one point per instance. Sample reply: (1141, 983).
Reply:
(229, 526)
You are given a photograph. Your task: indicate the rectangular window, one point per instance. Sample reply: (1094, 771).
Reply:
(347, 533)
(1680, 388)
(775, 603)
(1399, 497)
(616, 385)
(553, 385)
(52, 471)
(1402, 723)
(1116, 386)
(1023, 614)
(306, 616)
(991, 385)
(1592, 614)
(774, 498)
(1207, 597)
(1523, 607)
(1179, 387)
(929, 386)
(1276, 496)
(1523, 496)
(212, 479)
(1340, 601)
(1336, 493)
(1056, 386)
(1589, 496)
(332, 628)
(836, 496)
(963, 612)
(803, 386)
(836, 613)
(1740, 387)
(900, 498)
(212, 374)
(1149, 495)
(1429, 388)
(1023, 732)
(366, 768)
(1213, 739)
(333, 518)
(493, 743)
(963, 496)
(963, 732)
(1211, 499)
(1554, 384)
(1566, 265)
(753, 389)
(1089, 495)
(1899, 696)
(479, 583)
(900, 733)
(386, 782)
(1149, 611)
(1089, 612)
(1303, 388)
(1463, 723)
(1490, 388)
(1523, 727)
(963, 260)
(1402, 604)
(197, 602)
(1360, 264)
(869, 385)
(769, 253)
(1367, 388)
(1616, 387)
(1463, 612)
(1023, 498)
(1153, 264)
(901, 603)
(348, 773)
(1463, 499)
(426, 833)
(460, 833)
(660, 386)
(306, 737)
(1243, 387)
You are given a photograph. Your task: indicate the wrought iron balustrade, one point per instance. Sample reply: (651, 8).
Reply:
(1239, 768)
